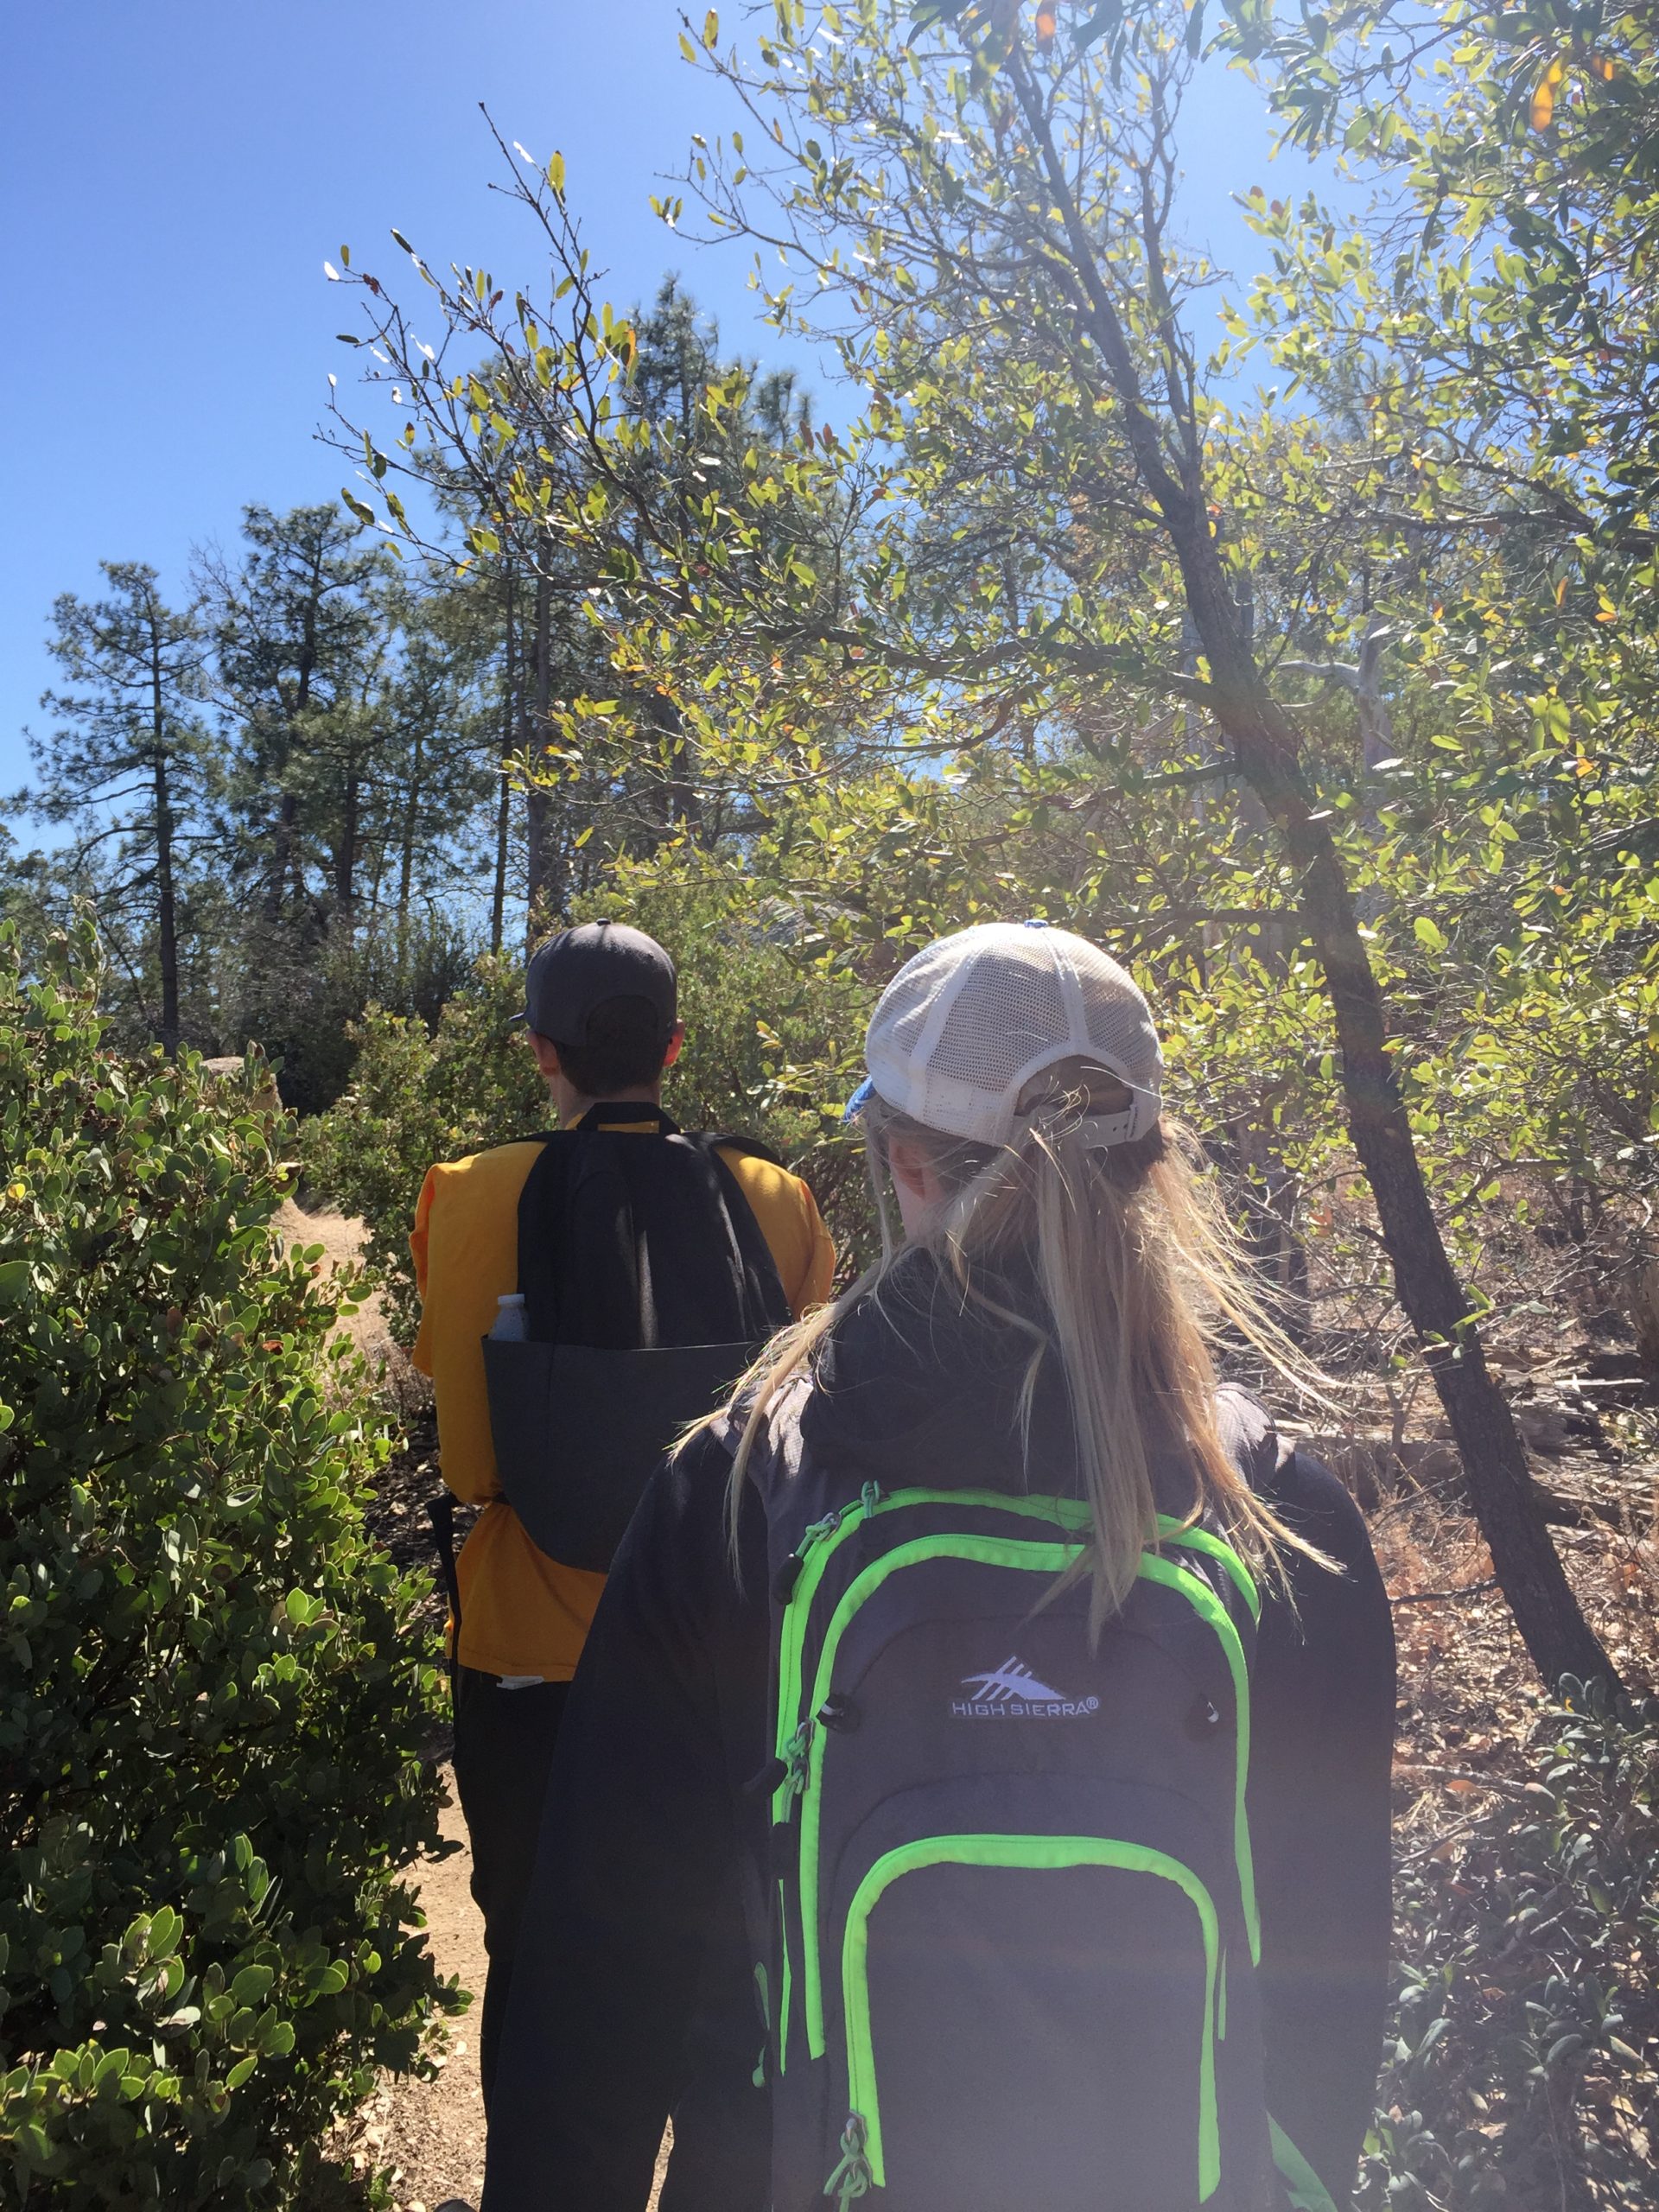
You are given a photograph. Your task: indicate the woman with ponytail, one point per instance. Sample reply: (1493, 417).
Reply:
(988, 1690)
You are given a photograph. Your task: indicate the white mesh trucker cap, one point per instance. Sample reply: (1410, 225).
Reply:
(965, 1025)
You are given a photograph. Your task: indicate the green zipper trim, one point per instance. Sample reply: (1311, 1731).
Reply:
(1209, 1608)
(1030, 1557)
(1038, 1853)
(1307, 2191)
(1221, 2003)
(1200, 1540)
(990, 1551)
(1067, 1512)
(820, 1543)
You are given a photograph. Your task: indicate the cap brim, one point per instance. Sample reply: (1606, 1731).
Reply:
(860, 1099)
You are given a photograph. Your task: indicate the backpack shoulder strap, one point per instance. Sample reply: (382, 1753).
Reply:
(764, 1300)
(724, 1141)
(542, 1203)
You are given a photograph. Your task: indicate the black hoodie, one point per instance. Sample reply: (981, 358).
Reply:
(632, 1996)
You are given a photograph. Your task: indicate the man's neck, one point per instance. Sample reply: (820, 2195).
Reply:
(570, 1105)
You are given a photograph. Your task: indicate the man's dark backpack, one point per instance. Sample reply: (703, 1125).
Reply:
(648, 1289)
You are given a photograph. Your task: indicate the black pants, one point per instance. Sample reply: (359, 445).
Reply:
(504, 1748)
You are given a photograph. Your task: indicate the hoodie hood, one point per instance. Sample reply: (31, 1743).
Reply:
(919, 1383)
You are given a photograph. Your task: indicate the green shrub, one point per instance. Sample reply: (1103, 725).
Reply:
(215, 1688)
(773, 1037)
(1522, 2066)
(414, 1097)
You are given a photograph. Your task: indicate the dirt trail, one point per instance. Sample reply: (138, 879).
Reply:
(341, 1240)
(431, 2135)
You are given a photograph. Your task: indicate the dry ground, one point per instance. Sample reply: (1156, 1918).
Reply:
(1466, 1688)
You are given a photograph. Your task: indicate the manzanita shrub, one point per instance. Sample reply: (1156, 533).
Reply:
(1522, 2064)
(213, 1691)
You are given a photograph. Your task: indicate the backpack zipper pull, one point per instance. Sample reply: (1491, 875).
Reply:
(852, 2177)
(795, 1753)
(871, 1494)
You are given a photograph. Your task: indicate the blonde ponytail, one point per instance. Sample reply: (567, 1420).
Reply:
(1139, 1273)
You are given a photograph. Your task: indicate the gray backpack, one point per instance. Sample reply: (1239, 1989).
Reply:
(1011, 1924)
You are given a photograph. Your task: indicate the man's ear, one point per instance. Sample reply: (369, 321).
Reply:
(675, 1040)
(547, 1054)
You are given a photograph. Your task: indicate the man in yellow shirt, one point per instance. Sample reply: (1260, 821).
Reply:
(600, 1011)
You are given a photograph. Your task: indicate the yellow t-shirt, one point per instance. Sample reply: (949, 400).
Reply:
(521, 1612)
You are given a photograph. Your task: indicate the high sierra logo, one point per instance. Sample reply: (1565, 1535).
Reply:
(1012, 1692)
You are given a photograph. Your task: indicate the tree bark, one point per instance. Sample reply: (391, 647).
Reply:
(166, 934)
(503, 804)
(546, 886)
(1265, 745)
(406, 858)
(346, 852)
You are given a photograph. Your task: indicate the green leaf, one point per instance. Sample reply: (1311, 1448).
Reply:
(1428, 934)
(15, 1278)
(252, 1984)
(710, 29)
(556, 173)
(1103, 21)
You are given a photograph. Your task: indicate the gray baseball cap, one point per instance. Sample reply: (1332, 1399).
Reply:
(580, 969)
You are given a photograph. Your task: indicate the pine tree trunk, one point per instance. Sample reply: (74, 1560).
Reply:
(406, 861)
(546, 887)
(167, 933)
(345, 852)
(504, 802)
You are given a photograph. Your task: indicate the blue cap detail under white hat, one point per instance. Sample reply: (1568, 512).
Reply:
(860, 1099)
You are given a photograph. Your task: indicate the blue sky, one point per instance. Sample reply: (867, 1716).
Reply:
(173, 172)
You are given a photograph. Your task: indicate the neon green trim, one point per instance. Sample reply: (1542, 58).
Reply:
(784, 1979)
(1029, 1853)
(990, 1551)
(1068, 1513)
(1307, 2191)
(1221, 2003)
(1209, 1608)
(1200, 1540)
(1033, 1557)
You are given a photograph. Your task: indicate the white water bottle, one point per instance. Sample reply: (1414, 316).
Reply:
(509, 1319)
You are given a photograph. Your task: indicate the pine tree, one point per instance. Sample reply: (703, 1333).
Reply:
(127, 766)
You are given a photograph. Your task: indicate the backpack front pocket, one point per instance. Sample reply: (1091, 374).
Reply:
(1031, 2020)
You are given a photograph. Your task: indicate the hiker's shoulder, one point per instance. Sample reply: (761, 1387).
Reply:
(1288, 1477)
(763, 1179)
(483, 1179)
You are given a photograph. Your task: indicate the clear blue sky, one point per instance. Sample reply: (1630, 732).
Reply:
(173, 172)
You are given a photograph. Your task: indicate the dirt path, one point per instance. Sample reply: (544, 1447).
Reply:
(431, 2135)
(341, 1240)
